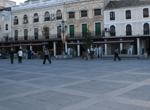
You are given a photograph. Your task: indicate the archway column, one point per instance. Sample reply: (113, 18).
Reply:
(121, 46)
(138, 46)
(54, 45)
(105, 47)
(78, 48)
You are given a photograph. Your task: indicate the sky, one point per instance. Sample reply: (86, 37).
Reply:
(18, 1)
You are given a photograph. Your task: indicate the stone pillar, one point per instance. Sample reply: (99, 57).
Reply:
(31, 48)
(54, 45)
(66, 47)
(138, 46)
(121, 45)
(105, 47)
(78, 49)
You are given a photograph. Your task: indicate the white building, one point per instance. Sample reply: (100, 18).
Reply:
(126, 20)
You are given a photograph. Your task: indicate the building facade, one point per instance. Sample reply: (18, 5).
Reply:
(37, 22)
(127, 20)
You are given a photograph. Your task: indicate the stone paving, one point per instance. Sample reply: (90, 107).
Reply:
(75, 84)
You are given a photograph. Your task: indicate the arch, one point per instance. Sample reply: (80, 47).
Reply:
(36, 18)
(71, 10)
(58, 14)
(84, 8)
(146, 28)
(128, 29)
(46, 16)
(112, 30)
(97, 6)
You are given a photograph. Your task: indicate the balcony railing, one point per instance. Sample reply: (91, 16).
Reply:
(49, 37)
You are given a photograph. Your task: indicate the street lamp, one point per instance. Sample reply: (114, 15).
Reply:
(63, 37)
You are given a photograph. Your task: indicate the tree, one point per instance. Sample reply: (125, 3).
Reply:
(87, 40)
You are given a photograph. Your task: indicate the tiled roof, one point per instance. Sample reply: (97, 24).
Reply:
(126, 3)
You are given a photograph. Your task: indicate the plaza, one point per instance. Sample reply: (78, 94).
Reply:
(75, 84)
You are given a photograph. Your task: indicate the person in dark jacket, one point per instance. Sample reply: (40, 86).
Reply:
(12, 56)
(116, 55)
(46, 56)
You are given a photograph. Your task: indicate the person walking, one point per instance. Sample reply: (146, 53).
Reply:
(116, 55)
(88, 54)
(20, 54)
(46, 56)
(12, 56)
(26, 54)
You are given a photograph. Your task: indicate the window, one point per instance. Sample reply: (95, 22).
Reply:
(112, 15)
(6, 27)
(112, 31)
(128, 14)
(25, 34)
(58, 15)
(128, 30)
(84, 13)
(46, 32)
(97, 12)
(71, 14)
(58, 32)
(25, 19)
(47, 16)
(145, 12)
(36, 18)
(15, 20)
(16, 35)
(36, 30)
(146, 28)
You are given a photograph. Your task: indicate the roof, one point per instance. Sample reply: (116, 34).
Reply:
(126, 3)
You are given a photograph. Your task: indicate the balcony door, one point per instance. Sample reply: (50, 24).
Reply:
(71, 31)
(97, 29)
(84, 29)
(25, 34)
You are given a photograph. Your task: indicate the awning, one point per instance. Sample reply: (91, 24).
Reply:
(104, 42)
(34, 44)
(113, 42)
(18, 45)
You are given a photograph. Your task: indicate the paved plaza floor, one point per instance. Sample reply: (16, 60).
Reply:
(75, 84)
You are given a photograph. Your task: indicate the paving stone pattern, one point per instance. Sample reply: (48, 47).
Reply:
(75, 84)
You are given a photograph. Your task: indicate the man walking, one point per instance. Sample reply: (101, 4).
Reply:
(20, 54)
(116, 55)
(46, 56)
(12, 56)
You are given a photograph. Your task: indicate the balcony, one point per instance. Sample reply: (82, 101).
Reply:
(51, 37)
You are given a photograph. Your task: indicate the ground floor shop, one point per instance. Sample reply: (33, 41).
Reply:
(132, 45)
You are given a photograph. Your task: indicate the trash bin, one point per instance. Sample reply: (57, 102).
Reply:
(145, 55)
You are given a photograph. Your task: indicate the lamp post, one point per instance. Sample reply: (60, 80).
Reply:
(63, 37)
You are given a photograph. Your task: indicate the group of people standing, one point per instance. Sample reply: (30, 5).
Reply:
(20, 55)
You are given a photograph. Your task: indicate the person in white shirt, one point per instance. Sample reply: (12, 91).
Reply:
(20, 54)
(88, 51)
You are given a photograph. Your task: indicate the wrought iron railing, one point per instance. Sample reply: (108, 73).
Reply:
(49, 37)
